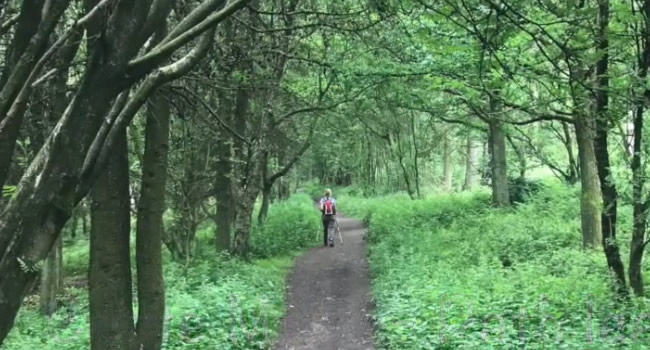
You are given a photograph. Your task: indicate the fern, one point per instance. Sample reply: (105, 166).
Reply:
(8, 191)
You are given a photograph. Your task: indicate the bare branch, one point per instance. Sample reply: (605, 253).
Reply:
(293, 160)
(214, 114)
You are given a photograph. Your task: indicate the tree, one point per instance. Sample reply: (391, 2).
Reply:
(74, 154)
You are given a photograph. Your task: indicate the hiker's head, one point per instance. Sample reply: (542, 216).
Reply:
(328, 193)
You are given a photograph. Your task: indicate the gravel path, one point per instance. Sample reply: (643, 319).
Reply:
(329, 297)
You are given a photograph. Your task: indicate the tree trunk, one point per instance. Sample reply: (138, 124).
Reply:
(187, 198)
(246, 198)
(225, 213)
(591, 197)
(57, 179)
(601, 149)
(640, 204)
(51, 279)
(59, 265)
(32, 214)
(151, 292)
(243, 228)
(281, 184)
(572, 172)
(498, 165)
(110, 296)
(416, 156)
(28, 46)
(84, 219)
(266, 199)
(471, 166)
(223, 192)
(225, 178)
(448, 165)
(28, 20)
(405, 173)
(267, 187)
(74, 225)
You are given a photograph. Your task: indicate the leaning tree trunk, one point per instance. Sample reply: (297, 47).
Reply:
(110, 296)
(498, 165)
(471, 166)
(61, 173)
(151, 292)
(591, 197)
(28, 47)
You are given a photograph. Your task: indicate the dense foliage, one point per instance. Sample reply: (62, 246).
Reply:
(290, 226)
(159, 132)
(451, 273)
(214, 303)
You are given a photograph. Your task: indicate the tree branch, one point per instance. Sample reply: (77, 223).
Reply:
(176, 39)
(4, 28)
(214, 114)
(292, 161)
(161, 76)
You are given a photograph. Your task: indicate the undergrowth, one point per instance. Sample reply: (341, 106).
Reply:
(216, 302)
(290, 225)
(451, 273)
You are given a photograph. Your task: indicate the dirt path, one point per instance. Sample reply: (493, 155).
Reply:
(329, 297)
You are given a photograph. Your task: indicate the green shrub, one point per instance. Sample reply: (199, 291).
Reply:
(521, 189)
(451, 273)
(215, 303)
(290, 226)
(313, 189)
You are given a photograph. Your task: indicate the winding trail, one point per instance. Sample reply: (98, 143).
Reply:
(328, 302)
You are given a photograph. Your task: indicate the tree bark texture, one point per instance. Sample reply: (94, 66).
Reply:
(151, 291)
(110, 294)
(591, 197)
(498, 165)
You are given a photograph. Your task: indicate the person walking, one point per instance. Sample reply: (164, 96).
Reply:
(328, 210)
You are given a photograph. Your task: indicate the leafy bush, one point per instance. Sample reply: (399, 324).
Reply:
(451, 273)
(290, 225)
(521, 189)
(313, 189)
(215, 303)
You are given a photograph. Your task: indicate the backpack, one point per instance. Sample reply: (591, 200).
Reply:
(328, 207)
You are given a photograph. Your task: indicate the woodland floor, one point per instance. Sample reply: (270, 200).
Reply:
(328, 302)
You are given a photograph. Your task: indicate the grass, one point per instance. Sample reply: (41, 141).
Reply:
(451, 273)
(215, 303)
